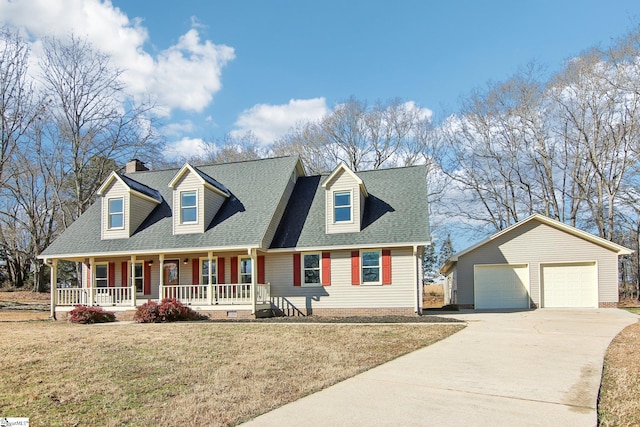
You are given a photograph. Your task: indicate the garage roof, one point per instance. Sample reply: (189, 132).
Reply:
(620, 250)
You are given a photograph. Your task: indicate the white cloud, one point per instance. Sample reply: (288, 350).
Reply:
(183, 76)
(269, 122)
(178, 128)
(186, 148)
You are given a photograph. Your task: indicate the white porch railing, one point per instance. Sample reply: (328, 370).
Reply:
(94, 296)
(187, 294)
(221, 294)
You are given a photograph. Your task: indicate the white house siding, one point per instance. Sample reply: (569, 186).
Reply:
(341, 293)
(277, 216)
(188, 182)
(139, 211)
(212, 202)
(535, 243)
(343, 182)
(117, 189)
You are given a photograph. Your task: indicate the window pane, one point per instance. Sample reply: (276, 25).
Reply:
(311, 276)
(245, 266)
(370, 259)
(138, 270)
(205, 267)
(343, 214)
(312, 261)
(371, 274)
(343, 199)
(101, 271)
(189, 199)
(115, 221)
(115, 206)
(189, 215)
(139, 285)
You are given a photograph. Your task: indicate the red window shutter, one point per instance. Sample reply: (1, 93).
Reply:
(195, 271)
(112, 275)
(261, 269)
(234, 269)
(88, 275)
(220, 268)
(297, 272)
(386, 267)
(326, 268)
(147, 278)
(355, 267)
(124, 274)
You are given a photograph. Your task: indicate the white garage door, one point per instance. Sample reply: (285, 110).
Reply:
(570, 285)
(501, 286)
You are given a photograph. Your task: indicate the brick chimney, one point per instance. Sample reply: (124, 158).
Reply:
(135, 165)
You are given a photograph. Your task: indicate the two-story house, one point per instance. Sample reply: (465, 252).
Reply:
(233, 239)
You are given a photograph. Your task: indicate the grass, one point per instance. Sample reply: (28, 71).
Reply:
(205, 373)
(619, 400)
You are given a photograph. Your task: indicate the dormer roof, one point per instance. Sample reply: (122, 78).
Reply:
(205, 179)
(342, 167)
(134, 186)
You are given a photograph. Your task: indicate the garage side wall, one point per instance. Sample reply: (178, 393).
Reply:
(535, 243)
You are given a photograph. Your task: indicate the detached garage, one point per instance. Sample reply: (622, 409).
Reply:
(537, 262)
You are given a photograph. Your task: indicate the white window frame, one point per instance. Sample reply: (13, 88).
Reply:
(362, 267)
(303, 269)
(205, 278)
(350, 206)
(97, 279)
(182, 207)
(111, 214)
(240, 273)
(133, 278)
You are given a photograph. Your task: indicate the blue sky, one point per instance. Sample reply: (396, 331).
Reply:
(233, 66)
(425, 51)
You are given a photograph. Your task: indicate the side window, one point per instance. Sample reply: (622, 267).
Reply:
(138, 277)
(342, 206)
(116, 213)
(102, 275)
(370, 267)
(311, 269)
(205, 271)
(245, 270)
(188, 207)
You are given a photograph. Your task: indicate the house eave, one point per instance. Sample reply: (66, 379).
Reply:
(347, 247)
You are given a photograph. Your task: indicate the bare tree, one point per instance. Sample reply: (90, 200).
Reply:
(91, 121)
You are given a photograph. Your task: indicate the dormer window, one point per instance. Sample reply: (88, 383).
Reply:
(188, 207)
(342, 206)
(116, 213)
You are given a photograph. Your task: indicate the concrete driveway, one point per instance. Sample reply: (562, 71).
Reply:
(533, 368)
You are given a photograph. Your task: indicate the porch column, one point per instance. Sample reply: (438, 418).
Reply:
(161, 282)
(53, 268)
(132, 274)
(210, 289)
(92, 280)
(254, 265)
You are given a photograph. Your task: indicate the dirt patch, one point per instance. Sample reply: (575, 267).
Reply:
(619, 400)
(25, 296)
(433, 296)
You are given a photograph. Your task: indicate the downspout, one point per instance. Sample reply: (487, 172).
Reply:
(415, 278)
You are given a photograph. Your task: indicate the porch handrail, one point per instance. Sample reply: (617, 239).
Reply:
(94, 296)
(188, 294)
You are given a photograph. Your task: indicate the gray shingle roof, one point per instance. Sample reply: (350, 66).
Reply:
(396, 211)
(255, 186)
(211, 181)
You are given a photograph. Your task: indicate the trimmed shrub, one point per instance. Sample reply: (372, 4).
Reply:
(147, 313)
(86, 314)
(169, 310)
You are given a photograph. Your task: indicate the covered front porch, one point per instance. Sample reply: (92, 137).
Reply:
(207, 281)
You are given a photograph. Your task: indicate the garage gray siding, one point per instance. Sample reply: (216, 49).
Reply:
(534, 243)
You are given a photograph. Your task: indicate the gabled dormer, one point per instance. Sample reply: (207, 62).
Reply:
(196, 200)
(345, 196)
(126, 203)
